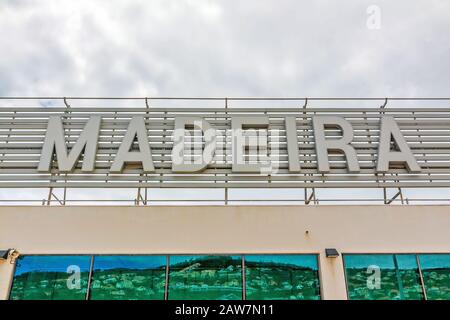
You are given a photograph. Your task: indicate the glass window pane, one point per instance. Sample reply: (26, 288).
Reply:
(51, 278)
(436, 275)
(128, 278)
(281, 277)
(382, 277)
(410, 287)
(205, 277)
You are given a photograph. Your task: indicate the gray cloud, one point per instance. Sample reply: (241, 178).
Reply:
(223, 48)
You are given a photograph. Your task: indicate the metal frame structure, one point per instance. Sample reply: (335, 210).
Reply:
(22, 130)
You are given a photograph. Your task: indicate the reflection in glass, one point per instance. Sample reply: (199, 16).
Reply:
(128, 278)
(436, 275)
(281, 277)
(50, 278)
(205, 277)
(382, 277)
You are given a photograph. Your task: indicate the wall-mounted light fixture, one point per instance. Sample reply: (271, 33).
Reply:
(4, 254)
(331, 253)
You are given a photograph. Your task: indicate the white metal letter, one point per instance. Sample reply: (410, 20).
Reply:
(389, 129)
(136, 128)
(320, 123)
(204, 156)
(55, 141)
(239, 144)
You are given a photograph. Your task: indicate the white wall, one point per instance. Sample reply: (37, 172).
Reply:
(226, 229)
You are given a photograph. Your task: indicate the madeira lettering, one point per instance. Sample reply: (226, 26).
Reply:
(135, 147)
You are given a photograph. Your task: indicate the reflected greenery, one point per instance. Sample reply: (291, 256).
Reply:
(50, 278)
(128, 278)
(143, 277)
(382, 277)
(275, 277)
(205, 278)
(220, 277)
(436, 275)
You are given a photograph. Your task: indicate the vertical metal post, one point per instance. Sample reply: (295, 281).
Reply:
(64, 196)
(68, 135)
(312, 196)
(49, 197)
(164, 142)
(50, 191)
(146, 175)
(369, 137)
(400, 191)
(91, 269)
(305, 131)
(9, 134)
(422, 282)
(399, 278)
(384, 180)
(112, 141)
(166, 284)
(244, 289)
(421, 143)
(226, 175)
(138, 196)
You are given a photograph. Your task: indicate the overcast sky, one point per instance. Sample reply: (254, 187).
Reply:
(224, 48)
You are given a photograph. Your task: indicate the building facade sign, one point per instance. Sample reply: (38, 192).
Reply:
(235, 147)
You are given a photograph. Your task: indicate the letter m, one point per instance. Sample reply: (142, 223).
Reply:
(55, 142)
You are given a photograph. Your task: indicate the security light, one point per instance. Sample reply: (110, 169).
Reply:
(331, 253)
(4, 254)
